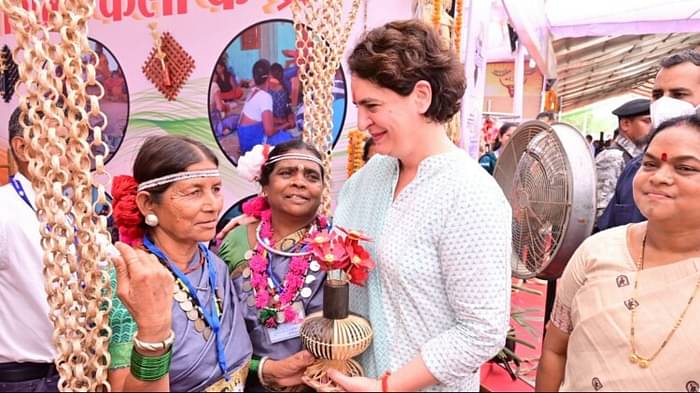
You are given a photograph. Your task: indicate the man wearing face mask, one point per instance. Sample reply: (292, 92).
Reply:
(676, 93)
(634, 125)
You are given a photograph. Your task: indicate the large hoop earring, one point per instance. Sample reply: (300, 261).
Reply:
(151, 220)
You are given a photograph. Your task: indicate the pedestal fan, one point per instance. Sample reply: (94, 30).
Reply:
(548, 175)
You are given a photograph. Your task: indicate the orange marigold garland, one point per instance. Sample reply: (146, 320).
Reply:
(356, 147)
(458, 27)
(437, 14)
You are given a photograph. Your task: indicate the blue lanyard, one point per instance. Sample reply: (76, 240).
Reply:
(275, 281)
(271, 274)
(20, 191)
(23, 194)
(211, 315)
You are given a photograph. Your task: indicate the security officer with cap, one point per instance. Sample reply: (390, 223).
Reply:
(634, 125)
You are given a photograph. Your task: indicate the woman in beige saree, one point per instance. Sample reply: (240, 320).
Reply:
(626, 313)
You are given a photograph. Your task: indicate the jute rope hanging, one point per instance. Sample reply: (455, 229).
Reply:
(433, 12)
(56, 68)
(321, 40)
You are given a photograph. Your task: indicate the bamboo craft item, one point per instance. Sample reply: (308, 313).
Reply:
(59, 116)
(168, 66)
(334, 336)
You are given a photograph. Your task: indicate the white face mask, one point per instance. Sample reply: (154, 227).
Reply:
(667, 108)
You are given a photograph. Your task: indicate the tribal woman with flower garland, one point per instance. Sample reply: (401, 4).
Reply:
(166, 212)
(278, 279)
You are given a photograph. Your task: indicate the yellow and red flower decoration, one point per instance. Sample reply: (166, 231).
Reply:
(337, 252)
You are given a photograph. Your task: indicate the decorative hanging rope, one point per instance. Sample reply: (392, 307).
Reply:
(356, 148)
(321, 40)
(56, 67)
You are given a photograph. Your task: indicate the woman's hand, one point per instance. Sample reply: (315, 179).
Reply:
(240, 220)
(145, 287)
(289, 371)
(345, 383)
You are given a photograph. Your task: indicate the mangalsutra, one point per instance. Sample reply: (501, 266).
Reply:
(635, 357)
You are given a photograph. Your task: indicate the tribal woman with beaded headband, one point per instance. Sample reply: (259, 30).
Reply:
(165, 214)
(278, 283)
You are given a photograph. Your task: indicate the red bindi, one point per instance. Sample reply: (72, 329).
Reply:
(664, 156)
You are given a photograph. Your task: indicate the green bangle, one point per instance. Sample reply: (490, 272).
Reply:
(253, 367)
(150, 368)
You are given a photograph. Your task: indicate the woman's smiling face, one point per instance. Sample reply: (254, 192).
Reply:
(667, 186)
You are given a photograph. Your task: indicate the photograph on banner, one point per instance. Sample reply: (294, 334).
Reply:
(115, 102)
(255, 94)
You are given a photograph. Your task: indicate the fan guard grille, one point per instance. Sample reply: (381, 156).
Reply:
(536, 176)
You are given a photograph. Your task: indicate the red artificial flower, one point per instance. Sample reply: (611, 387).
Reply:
(357, 274)
(359, 256)
(329, 250)
(354, 235)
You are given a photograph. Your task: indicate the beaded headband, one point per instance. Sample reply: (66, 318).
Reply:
(159, 181)
(294, 156)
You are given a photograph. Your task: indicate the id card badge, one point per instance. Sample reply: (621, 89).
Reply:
(289, 330)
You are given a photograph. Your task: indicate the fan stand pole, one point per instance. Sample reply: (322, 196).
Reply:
(549, 305)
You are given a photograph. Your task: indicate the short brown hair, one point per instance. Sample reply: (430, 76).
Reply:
(399, 54)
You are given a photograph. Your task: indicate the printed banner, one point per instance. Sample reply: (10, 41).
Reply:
(231, 42)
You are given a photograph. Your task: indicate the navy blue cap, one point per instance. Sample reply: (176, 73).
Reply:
(636, 107)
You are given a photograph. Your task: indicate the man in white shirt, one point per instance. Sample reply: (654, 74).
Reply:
(26, 347)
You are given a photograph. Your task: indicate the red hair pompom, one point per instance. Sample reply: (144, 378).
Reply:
(127, 216)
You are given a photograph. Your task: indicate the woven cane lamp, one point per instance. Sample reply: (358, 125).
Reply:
(334, 336)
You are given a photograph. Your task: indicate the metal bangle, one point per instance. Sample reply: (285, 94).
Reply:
(154, 347)
(260, 370)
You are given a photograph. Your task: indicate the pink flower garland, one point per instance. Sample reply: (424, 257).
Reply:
(298, 266)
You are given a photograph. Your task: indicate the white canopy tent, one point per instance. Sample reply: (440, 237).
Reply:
(600, 48)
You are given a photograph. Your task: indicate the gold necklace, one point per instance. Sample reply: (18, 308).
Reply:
(288, 242)
(635, 357)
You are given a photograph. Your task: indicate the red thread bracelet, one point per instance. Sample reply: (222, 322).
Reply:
(385, 381)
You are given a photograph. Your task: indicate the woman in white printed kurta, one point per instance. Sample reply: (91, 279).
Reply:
(439, 298)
